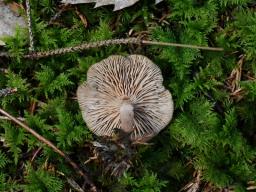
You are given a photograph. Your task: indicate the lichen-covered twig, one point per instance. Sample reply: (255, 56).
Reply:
(90, 45)
(31, 36)
(84, 46)
(7, 91)
(88, 181)
(97, 44)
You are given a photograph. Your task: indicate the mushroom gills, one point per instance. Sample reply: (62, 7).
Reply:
(125, 94)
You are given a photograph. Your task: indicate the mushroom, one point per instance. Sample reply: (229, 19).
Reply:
(125, 93)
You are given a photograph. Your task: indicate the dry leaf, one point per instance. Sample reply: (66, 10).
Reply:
(119, 4)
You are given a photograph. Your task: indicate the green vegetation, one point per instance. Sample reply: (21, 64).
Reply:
(213, 129)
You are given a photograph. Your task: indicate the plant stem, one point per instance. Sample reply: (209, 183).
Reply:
(181, 45)
(92, 187)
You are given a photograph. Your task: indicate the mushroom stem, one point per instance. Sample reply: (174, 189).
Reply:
(127, 115)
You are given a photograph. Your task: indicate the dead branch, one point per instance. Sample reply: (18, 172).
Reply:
(97, 44)
(88, 181)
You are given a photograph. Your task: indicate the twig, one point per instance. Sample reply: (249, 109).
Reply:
(88, 181)
(7, 91)
(37, 55)
(97, 44)
(7, 118)
(36, 153)
(31, 37)
(91, 159)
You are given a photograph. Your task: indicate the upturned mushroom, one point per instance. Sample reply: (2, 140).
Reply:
(125, 93)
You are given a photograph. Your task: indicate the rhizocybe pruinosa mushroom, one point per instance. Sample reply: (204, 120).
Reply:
(125, 93)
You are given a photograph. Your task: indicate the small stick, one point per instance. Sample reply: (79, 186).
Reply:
(91, 159)
(7, 91)
(82, 17)
(84, 46)
(7, 118)
(31, 37)
(52, 146)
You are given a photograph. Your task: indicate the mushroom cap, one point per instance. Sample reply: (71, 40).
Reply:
(116, 78)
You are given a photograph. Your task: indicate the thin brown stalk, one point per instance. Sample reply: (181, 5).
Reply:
(181, 45)
(90, 45)
(36, 153)
(88, 181)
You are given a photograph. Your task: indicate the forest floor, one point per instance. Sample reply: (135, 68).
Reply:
(210, 143)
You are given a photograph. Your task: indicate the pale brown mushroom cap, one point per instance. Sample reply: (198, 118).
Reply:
(118, 77)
